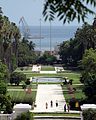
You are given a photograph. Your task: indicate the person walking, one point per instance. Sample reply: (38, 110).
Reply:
(46, 105)
(51, 103)
(56, 103)
(65, 108)
(68, 107)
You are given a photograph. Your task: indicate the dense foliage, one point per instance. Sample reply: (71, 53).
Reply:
(4, 74)
(26, 54)
(3, 88)
(17, 77)
(71, 52)
(68, 10)
(46, 59)
(4, 99)
(25, 116)
(88, 77)
(9, 37)
(89, 114)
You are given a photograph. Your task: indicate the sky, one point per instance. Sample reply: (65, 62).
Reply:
(31, 10)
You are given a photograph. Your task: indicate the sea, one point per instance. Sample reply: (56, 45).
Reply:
(46, 38)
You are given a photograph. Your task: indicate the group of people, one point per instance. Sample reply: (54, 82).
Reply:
(51, 104)
(66, 107)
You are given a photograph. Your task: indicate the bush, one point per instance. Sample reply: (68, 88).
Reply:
(3, 88)
(24, 86)
(17, 77)
(21, 68)
(25, 116)
(27, 100)
(89, 114)
(27, 82)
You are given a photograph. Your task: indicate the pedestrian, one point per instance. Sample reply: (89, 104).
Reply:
(46, 105)
(51, 103)
(56, 103)
(65, 108)
(68, 107)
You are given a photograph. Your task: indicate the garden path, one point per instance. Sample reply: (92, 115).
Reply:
(46, 93)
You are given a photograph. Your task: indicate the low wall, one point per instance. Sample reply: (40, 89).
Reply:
(48, 72)
(7, 116)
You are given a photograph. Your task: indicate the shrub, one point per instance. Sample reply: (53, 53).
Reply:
(24, 99)
(16, 78)
(27, 82)
(3, 88)
(89, 114)
(24, 86)
(21, 68)
(25, 116)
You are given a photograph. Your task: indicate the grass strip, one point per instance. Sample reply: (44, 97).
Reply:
(78, 93)
(47, 68)
(57, 114)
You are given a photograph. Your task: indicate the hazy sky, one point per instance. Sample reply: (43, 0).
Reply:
(32, 12)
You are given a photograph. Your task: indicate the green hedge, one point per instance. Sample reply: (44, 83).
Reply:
(89, 114)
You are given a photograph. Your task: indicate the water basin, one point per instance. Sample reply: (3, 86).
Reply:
(43, 79)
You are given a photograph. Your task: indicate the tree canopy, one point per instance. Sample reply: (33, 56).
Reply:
(46, 58)
(68, 10)
(71, 51)
(4, 74)
(26, 54)
(89, 74)
(17, 77)
(4, 99)
(9, 37)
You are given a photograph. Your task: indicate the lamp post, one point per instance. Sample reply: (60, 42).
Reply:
(36, 81)
(40, 35)
(50, 37)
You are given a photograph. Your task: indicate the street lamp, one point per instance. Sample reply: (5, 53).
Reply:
(40, 35)
(36, 81)
(50, 36)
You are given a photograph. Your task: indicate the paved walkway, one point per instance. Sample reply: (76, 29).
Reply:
(46, 93)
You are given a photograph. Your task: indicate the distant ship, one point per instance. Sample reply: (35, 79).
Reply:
(35, 37)
(32, 37)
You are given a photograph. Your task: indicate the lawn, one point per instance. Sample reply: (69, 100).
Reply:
(33, 86)
(47, 68)
(22, 96)
(14, 87)
(78, 93)
(19, 95)
(24, 69)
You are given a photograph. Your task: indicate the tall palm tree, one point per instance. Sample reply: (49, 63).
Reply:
(16, 37)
